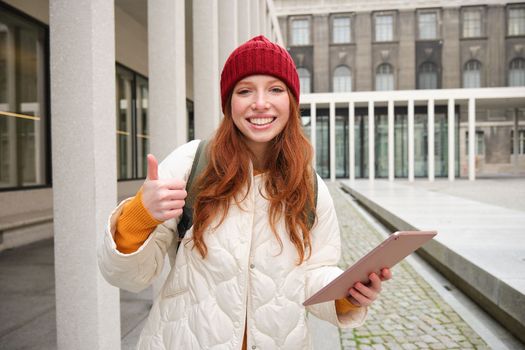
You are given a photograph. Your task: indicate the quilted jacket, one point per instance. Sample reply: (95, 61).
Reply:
(246, 280)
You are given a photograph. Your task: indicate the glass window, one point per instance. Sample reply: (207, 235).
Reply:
(479, 143)
(384, 77)
(472, 23)
(521, 142)
(427, 25)
(384, 27)
(341, 30)
(517, 72)
(132, 124)
(516, 21)
(342, 79)
(300, 32)
(304, 80)
(428, 76)
(472, 74)
(23, 102)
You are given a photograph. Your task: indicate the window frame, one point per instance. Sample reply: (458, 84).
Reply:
(436, 12)
(482, 21)
(292, 19)
(518, 59)
(391, 13)
(310, 82)
(46, 134)
(393, 74)
(334, 17)
(509, 8)
(419, 71)
(464, 70)
(333, 77)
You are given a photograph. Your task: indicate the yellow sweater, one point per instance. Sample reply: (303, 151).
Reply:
(135, 224)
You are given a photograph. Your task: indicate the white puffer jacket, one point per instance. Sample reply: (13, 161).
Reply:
(205, 303)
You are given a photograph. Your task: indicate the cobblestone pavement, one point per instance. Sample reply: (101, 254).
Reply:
(409, 314)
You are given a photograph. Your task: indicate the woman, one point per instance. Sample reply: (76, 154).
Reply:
(242, 272)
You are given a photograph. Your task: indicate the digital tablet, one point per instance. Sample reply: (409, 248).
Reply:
(387, 254)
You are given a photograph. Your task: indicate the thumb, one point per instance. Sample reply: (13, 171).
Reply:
(153, 168)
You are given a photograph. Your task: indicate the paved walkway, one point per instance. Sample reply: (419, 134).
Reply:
(409, 314)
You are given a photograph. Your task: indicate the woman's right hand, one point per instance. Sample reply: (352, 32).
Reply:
(164, 199)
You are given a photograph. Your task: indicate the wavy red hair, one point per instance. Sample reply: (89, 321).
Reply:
(288, 184)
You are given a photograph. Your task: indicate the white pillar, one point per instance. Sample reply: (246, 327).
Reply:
(228, 29)
(313, 131)
(391, 169)
(430, 157)
(82, 65)
(167, 76)
(351, 138)
(254, 17)
(244, 33)
(371, 141)
(471, 139)
(206, 67)
(516, 140)
(451, 140)
(410, 140)
(262, 17)
(332, 141)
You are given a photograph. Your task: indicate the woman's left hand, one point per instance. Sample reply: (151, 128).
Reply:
(364, 295)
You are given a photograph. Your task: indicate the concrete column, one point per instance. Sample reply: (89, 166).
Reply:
(321, 73)
(313, 128)
(471, 139)
(167, 76)
(407, 50)
(496, 59)
(207, 110)
(363, 40)
(84, 172)
(391, 169)
(228, 29)
(516, 140)
(332, 141)
(167, 86)
(262, 17)
(410, 140)
(451, 140)
(243, 13)
(451, 73)
(371, 141)
(351, 138)
(430, 157)
(254, 17)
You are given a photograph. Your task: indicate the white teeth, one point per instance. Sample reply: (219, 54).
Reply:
(260, 121)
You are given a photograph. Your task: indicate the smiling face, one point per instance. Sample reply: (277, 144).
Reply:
(260, 108)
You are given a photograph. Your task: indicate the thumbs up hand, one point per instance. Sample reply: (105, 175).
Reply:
(164, 199)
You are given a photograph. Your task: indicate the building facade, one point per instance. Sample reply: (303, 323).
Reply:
(342, 46)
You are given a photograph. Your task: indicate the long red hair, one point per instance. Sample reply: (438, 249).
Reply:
(288, 180)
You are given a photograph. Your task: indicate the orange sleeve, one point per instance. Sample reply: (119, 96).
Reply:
(342, 306)
(134, 225)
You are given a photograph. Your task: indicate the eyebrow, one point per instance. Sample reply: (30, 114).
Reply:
(273, 81)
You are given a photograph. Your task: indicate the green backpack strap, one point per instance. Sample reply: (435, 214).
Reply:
(199, 164)
(311, 211)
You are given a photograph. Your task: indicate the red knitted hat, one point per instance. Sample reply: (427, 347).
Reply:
(258, 56)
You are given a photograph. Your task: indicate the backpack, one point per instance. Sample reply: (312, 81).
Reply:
(199, 164)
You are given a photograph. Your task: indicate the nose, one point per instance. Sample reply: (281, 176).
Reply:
(260, 102)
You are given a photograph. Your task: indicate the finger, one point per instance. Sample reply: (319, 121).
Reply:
(173, 205)
(375, 282)
(153, 168)
(172, 214)
(361, 299)
(364, 290)
(174, 195)
(386, 274)
(175, 184)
